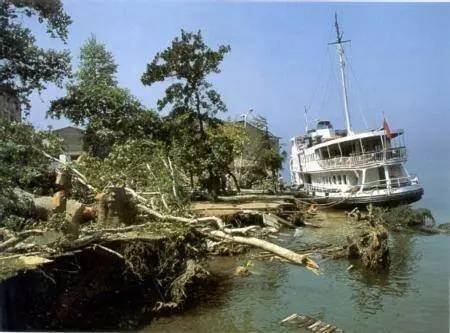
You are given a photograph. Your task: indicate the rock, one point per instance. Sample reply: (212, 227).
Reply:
(298, 232)
(241, 271)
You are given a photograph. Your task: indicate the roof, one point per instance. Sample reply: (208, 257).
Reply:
(355, 137)
(64, 129)
(248, 123)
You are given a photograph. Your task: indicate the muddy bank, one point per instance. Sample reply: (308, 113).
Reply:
(115, 284)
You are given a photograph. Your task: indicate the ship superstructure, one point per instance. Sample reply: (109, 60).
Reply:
(348, 167)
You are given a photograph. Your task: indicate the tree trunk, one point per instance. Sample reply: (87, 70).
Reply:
(235, 181)
(270, 247)
(115, 208)
(199, 115)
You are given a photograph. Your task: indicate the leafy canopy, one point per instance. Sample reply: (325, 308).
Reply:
(204, 151)
(94, 100)
(22, 164)
(188, 61)
(141, 164)
(25, 67)
(262, 158)
(97, 66)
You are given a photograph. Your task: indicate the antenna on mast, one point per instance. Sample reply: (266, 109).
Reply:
(340, 50)
(306, 118)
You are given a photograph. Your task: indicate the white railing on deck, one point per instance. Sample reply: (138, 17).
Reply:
(364, 160)
(369, 186)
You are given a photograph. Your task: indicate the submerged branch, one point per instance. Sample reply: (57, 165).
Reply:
(300, 259)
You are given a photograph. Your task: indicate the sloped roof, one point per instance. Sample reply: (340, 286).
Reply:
(68, 128)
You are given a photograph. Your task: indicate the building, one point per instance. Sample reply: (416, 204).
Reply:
(9, 104)
(249, 165)
(72, 140)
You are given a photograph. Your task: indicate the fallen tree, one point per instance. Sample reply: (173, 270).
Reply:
(300, 259)
(211, 226)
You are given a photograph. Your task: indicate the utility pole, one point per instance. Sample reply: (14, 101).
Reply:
(340, 50)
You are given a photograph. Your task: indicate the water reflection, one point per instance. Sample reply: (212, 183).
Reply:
(371, 288)
(409, 296)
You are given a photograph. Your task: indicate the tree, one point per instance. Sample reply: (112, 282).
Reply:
(207, 160)
(22, 164)
(110, 113)
(188, 61)
(143, 165)
(25, 67)
(97, 66)
(193, 128)
(263, 159)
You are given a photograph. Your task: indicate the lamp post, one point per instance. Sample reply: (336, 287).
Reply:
(244, 116)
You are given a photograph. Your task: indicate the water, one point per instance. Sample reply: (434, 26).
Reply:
(413, 296)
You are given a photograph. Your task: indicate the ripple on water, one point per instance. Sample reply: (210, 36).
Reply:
(409, 297)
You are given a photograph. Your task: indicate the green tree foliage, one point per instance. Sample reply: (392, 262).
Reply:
(22, 164)
(207, 160)
(143, 165)
(263, 158)
(110, 113)
(25, 67)
(188, 61)
(97, 66)
(194, 133)
(403, 215)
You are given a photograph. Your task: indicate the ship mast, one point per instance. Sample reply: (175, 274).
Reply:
(340, 50)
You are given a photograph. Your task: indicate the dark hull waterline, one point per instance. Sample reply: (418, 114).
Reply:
(378, 200)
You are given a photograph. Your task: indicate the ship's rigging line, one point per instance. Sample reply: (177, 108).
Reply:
(358, 86)
(319, 81)
(317, 88)
(335, 75)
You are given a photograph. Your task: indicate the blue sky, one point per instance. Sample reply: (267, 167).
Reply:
(280, 61)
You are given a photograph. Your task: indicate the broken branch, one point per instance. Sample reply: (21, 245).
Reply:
(270, 247)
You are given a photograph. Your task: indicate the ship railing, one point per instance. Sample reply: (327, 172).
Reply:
(315, 188)
(391, 183)
(380, 184)
(366, 159)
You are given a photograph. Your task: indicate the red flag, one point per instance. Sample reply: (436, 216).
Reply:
(386, 128)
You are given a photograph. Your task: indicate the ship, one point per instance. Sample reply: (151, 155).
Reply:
(348, 168)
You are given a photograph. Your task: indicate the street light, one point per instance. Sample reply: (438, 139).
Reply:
(245, 115)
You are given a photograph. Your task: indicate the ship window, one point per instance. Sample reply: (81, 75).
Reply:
(344, 177)
(324, 125)
(334, 179)
(339, 179)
